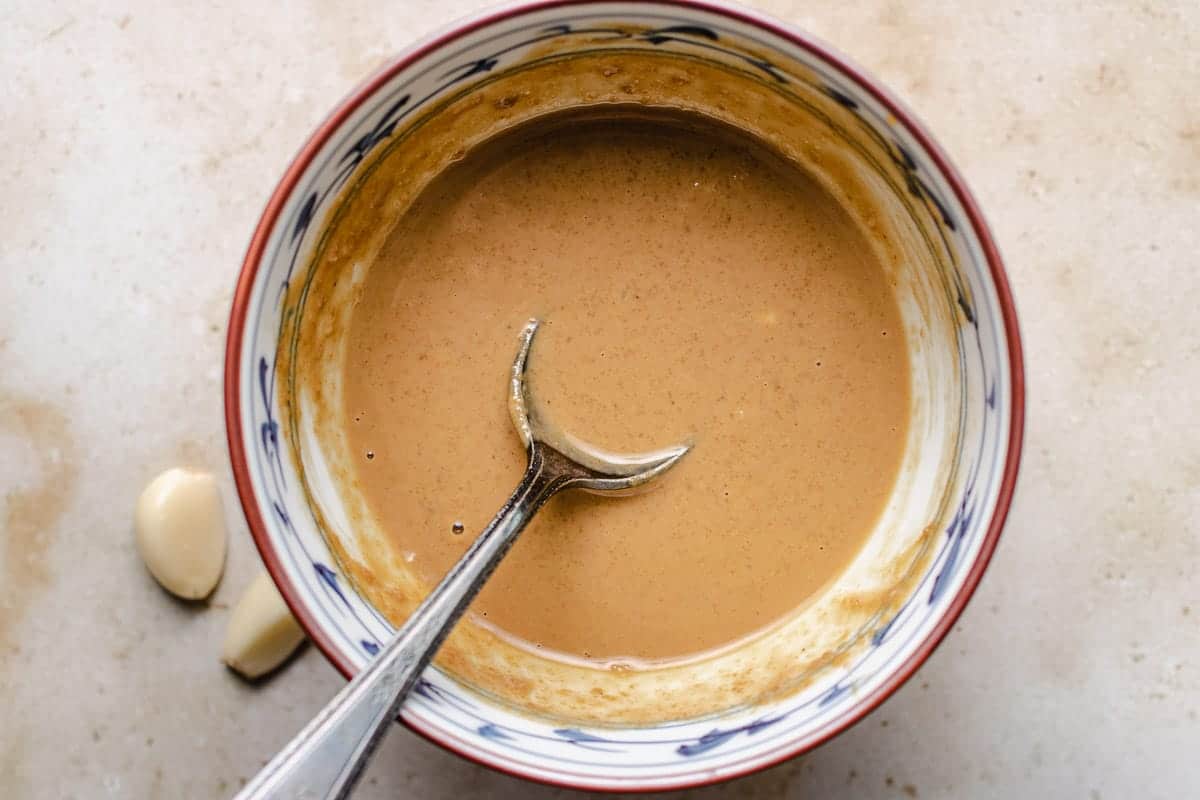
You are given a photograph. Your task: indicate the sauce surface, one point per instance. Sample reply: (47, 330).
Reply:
(691, 285)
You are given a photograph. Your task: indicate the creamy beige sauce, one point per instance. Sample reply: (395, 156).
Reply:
(691, 285)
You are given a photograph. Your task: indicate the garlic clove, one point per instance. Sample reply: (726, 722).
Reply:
(262, 632)
(179, 526)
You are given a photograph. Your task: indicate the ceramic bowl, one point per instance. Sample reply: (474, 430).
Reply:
(880, 620)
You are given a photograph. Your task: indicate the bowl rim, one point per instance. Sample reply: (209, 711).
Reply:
(432, 42)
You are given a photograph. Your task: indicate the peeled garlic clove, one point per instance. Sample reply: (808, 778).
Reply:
(262, 632)
(180, 530)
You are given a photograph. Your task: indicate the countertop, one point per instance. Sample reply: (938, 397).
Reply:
(141, 140)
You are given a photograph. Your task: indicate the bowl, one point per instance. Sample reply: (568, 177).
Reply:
(807, 678)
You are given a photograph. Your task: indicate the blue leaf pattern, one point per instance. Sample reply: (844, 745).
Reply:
(304, 216)
(842, 99)
(576, 735)
(384, 128)
(714, 738)
(880, 636)
(490, 731)
(329, 578)
(424, 688)
(832, 695)
(700, 37)
(957, 531)
(717, 737)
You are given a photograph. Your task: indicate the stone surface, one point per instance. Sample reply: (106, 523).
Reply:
(140, 143)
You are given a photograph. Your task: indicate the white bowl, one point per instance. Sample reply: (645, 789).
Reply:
(955, 484)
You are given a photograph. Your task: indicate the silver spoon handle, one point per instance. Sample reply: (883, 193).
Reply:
(326, 758)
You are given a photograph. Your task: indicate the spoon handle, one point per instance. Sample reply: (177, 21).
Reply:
(326, 758)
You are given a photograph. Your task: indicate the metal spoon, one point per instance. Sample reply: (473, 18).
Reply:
(328, 756)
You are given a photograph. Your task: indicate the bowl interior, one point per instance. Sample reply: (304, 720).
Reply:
(776, 694)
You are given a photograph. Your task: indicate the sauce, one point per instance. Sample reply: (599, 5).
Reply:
(692, 285)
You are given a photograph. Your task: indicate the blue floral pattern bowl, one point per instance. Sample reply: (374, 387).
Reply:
(986, 411)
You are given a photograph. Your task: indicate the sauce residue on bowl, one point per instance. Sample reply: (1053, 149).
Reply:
(692, 284)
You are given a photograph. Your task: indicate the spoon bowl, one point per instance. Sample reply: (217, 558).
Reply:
(582, 465)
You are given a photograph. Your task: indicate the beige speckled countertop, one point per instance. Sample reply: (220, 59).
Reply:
(140, 143)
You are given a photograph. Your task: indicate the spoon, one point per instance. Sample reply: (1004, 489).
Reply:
(326, 758)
